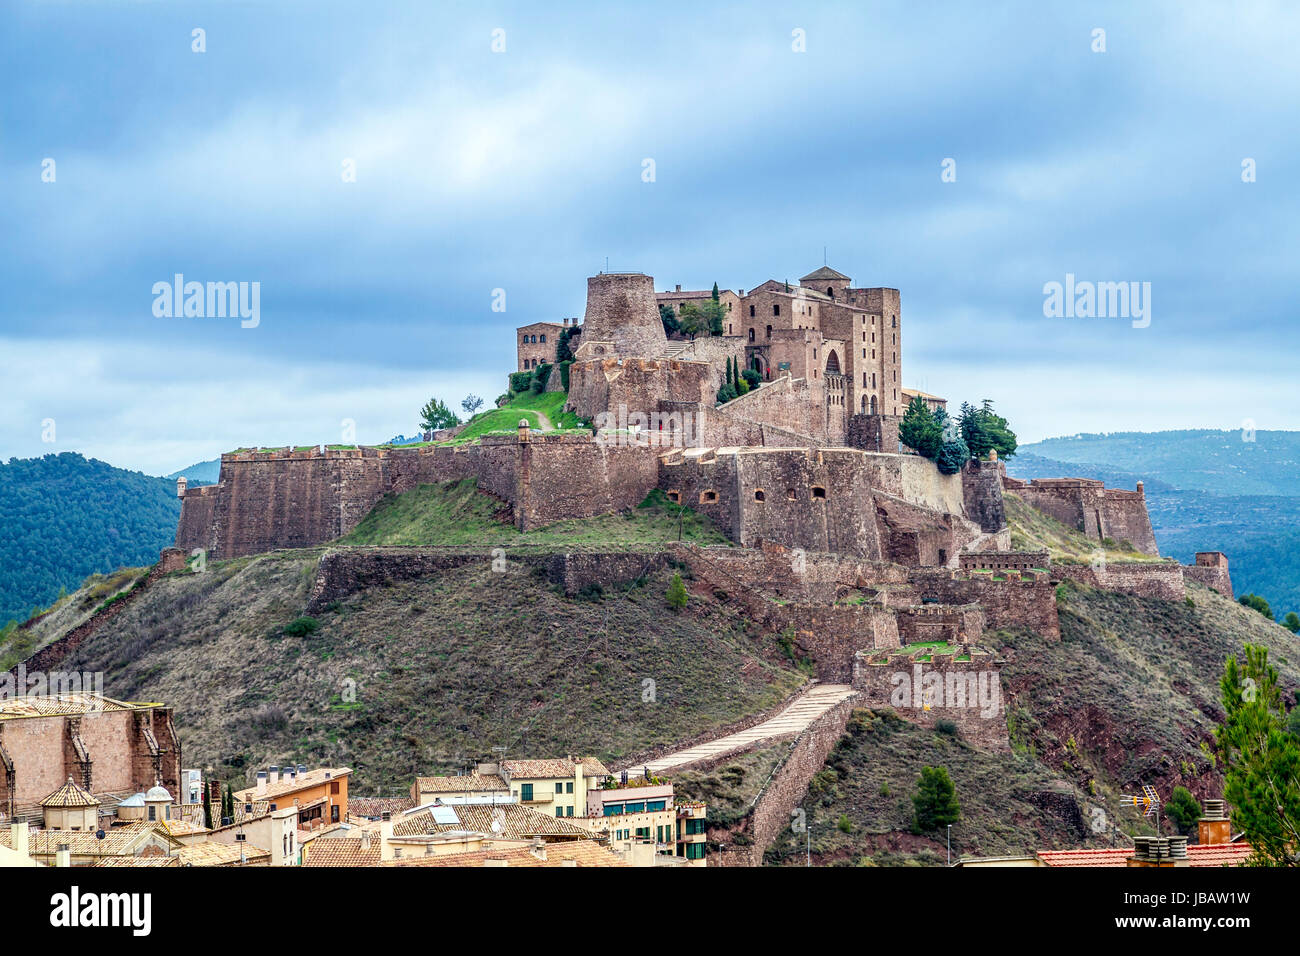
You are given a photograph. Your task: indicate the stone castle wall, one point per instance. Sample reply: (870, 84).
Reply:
(1092, 509)
(622, 310)
(1028, 602)
(966, 693)
(1211, 570)
(1156, 580)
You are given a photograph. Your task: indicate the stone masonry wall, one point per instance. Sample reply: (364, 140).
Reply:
(966, 693)
(1163, 581)
(1029, 602)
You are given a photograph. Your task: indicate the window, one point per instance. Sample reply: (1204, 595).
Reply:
(334, 813)
(543, 338)
(695, 826)
(674, 496)
(759, 496)
(789, 493)
(570, 787)
(751, 335)
(559, 811)
(559, 786)
(570, 813)
(334, 787)
(526, 792)
(707, 497)
(818, 492)
(655, 805)
(153, 813)
(769, 331)
(751, 311)
(776, 308)
(613, 809)
(695, 851)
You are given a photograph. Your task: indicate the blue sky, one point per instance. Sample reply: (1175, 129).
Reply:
(522, 170)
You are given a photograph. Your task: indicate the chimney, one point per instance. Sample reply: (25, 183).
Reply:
(386, 840)
(63, 855)
(1214, 827)
(365, 839)
(181, 482)
(496, 862)
(569, 862)
(273, 776)
(1155, 851)
(679, 287)
(260, 789)
(18, 838)
(538, 848)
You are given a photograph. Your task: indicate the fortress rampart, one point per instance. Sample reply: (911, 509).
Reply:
(1211, 570)
(1091, 508)
(926, 689)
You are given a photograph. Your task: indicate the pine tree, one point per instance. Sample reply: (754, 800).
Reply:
(207, 804)
(919, 429)
(1260, 760)
(715, 292)
(228, 804)
(935, 801)
(676, 593)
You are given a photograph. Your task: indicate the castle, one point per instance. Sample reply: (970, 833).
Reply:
(806, 465)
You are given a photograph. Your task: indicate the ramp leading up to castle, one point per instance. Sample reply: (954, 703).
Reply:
(801, 712)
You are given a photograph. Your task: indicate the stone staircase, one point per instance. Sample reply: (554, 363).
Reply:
(677, 350)
(802, 711)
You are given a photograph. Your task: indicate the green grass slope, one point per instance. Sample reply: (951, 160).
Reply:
(444, 669)
(456, 513)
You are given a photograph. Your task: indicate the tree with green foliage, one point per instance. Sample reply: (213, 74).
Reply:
(1183, 810)
(676, 593)
(668, 315)
(692, 321)
(207, 804)
(228, 804)
(1256, 603)
(726, 394)
(564, 346)
(753, 376)
(919, 430)
(715, 292)
(1259, 759)
(470, 405)
(1292, 622)
(983, 429)
(435, 415)
(935, 801)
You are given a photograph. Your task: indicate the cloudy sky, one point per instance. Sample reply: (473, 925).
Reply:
(522, 170)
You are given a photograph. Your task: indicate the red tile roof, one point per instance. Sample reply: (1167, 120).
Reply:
(1221, 854)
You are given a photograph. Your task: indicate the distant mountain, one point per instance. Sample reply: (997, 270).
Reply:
(200, 473)
(1237, 462)
(1260, 533)
(64, 517)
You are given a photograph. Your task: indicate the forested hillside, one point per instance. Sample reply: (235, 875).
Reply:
(64, 517)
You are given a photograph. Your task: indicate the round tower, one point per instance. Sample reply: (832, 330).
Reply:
(621, 311)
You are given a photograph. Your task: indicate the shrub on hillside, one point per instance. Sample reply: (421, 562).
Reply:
(1256, 603)
(1183, 809)
(301, 627)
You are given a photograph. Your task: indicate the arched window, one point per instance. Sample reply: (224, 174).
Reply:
(543, 338)
(873, 405)
(751, 335)
(832, 363)
(893, 321)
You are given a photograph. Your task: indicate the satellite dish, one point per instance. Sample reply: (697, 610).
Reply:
(99, 834)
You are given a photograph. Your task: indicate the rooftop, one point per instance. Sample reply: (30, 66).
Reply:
(1214, 854)
(70, 795)
(556, 767)
(303, 781)
(462, 783)
(575, 853)
(63, 705)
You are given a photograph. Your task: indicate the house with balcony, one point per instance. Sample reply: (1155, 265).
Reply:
(557, 786)
(643, 822)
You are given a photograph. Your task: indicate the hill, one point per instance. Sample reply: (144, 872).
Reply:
(66, 517)
(1220, 462)
(425, 674)
(199, 473)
